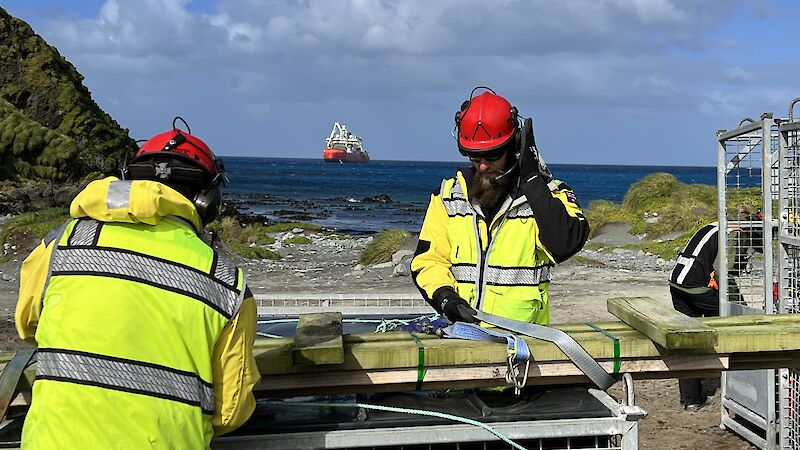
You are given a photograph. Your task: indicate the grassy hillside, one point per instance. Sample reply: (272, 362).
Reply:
(42, 91)
(659, 205)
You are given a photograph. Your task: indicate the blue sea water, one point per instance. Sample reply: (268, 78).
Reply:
(332, 195)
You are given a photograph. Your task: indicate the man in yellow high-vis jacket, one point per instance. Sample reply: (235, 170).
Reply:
(493, 233)
(144, 333)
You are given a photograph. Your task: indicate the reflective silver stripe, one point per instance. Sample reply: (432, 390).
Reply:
(687, 265)
(119, 193)
(457, 208)
(523, 212)
(126, 375)
(225, 270)
(84, 232)
(456, 192)
(464, 274)
(704, 240)
(518, 276)
(688, 262)
(137, 267)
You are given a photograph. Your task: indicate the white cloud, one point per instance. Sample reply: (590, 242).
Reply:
(252, 60)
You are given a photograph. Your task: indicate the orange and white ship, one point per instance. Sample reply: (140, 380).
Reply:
(343, 146)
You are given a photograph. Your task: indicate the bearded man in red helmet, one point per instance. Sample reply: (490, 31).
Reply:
(144, 332)
(493, 233)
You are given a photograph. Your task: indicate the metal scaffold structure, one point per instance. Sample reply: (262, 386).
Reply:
(757, 178)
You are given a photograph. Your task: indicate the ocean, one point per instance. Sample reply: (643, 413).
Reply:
(337, 195)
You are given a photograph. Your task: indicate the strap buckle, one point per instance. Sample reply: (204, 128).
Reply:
(513, 367)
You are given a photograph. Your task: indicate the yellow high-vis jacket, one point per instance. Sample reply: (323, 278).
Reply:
(144, 333)
(503, 267)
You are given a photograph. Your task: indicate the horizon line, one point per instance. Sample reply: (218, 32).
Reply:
(464, 162)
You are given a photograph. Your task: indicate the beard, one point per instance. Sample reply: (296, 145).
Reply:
(486, 192)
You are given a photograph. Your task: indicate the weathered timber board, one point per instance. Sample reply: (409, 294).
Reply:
(318, 339)
(663, 325)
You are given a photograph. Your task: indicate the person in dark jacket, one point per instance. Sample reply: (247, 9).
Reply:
(694, 283)
(494, 231)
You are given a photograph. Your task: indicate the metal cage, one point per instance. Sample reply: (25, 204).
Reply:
(758, 174)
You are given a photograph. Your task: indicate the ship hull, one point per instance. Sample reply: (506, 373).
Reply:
(340, 155)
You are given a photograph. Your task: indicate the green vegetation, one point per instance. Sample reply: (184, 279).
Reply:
(666, 249)
(670, 206)
(31, 227)
(29, 150)
(48, 115)
(255, 252)
(298, 240)
(603, 212)
(247, 241)
(660, 205)
(282, 227)
(586, 261)
(383, 246)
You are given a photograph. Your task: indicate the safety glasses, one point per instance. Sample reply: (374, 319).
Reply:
(491, 155)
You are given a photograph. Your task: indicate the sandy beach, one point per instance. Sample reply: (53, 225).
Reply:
(579, 293)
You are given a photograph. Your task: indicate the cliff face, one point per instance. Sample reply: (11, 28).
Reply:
(50, 128)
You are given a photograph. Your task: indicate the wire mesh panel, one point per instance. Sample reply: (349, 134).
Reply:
(789, 272)
(746, 198)
(747, 182)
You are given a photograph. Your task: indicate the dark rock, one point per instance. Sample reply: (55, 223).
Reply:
(380, 198)
(17, 198)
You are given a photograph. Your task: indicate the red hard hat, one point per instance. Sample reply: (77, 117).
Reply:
(485, 122)
(182, 144)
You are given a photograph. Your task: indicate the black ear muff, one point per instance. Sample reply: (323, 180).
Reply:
(460, 112)
(208, 202)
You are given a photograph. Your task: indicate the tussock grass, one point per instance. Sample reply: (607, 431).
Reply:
(298, 240)
(281, 227)
(672, 206)
(247, 241)
(659, 205)
(603, 212)
(383, 246)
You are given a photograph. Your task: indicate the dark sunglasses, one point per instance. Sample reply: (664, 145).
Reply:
(491, 155)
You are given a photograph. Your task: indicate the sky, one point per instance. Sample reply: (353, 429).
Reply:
(633, 82)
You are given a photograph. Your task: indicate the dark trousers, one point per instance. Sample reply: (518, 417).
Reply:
(694, 305)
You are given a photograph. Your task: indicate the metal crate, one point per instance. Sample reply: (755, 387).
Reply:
(616, 428)
(759, 162)
(789, 271)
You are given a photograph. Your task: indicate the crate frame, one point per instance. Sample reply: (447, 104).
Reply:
(773, 421)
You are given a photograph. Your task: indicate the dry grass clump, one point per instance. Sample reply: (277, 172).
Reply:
(383, 246)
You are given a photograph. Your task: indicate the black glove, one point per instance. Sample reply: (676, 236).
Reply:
(455, 308)
(531, 164)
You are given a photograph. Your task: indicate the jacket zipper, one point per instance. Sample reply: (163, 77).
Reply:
(483, 257)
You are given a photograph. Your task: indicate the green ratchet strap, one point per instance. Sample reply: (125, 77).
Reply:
(613, 338)
(420, 362)
(10, 378)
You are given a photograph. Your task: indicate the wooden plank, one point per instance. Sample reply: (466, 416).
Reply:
(663, 325)
(318, 339)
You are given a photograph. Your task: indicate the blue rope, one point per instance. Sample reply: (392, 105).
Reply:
(420, 412)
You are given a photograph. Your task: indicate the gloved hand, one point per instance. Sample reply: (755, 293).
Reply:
(456, 309)
(531, 163)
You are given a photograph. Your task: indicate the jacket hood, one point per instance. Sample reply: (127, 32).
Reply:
(132, 201)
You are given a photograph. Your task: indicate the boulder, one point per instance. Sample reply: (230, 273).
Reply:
(380, 198)
(400, 254)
